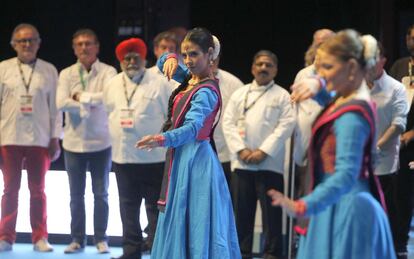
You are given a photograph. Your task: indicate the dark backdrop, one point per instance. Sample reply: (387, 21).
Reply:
(284, 27)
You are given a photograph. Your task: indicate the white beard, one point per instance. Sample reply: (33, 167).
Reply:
(134, 73)
(131, 73)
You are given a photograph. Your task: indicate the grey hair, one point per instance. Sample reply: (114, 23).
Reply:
(24, 26)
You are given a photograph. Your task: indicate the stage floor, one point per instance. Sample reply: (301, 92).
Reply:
(57, 191)
(25, 251)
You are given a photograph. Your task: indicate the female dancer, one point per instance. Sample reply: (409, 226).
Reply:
(346, 221)
(196, 219)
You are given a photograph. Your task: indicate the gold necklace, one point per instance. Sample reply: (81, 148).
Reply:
(193, 82)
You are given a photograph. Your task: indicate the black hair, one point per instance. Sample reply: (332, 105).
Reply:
(203, 38)
(266, 53)
(85, 31)
(168, 123)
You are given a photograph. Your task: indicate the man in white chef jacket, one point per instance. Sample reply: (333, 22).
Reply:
(30, 126)
(258, 120)
(228, 85)
(86, 143)
(137, 104)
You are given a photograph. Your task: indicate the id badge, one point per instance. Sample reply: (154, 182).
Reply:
(241, 127)
(26, 104)
(127, 118)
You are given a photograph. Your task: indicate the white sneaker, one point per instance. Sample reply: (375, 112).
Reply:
(102, 247)
(73, 247)
(5, 246)
(42, 245)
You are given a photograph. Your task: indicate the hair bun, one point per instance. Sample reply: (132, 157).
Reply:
(216, 47)
(371, 51)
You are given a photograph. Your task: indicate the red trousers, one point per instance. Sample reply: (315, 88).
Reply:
(37, 162)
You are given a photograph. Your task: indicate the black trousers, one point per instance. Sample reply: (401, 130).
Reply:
(227, 173)
(135, 182)
(248, 187)
(388, 185)
(404, 197)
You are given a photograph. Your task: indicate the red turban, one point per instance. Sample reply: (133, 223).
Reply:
(131, 45)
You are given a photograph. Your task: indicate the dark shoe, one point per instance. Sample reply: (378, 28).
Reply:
(135, 256)
(146, 247)
(269, 256)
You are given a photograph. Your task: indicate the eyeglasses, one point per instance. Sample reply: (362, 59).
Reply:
(28, 40)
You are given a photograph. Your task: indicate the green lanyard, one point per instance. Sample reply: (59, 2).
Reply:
(245, 107)
(26, 85)
(128, 99)
(82, 80)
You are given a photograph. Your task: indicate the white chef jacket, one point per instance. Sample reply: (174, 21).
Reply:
(173, 84)
(150, 105)
(228, 84)
(307, 111)
(86, 121)
(268, 124)
(390, 98)
(45, 122)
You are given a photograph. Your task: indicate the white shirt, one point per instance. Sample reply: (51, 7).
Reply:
(154, 69)
(228, 85)
(306, 112)
(150, 105)
(86, 121)
(391, 101)
(268, 124)
(45, 122)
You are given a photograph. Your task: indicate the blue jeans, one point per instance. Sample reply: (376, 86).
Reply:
(99, 165)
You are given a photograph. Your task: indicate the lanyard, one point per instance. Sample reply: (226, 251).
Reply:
(128, 99)
(26, 85)
(82, 80)
(245, 107)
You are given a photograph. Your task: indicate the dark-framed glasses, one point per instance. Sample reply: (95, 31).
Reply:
(27, 40)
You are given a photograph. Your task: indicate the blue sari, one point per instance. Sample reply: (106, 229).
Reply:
(197, 221)
(346, 221)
